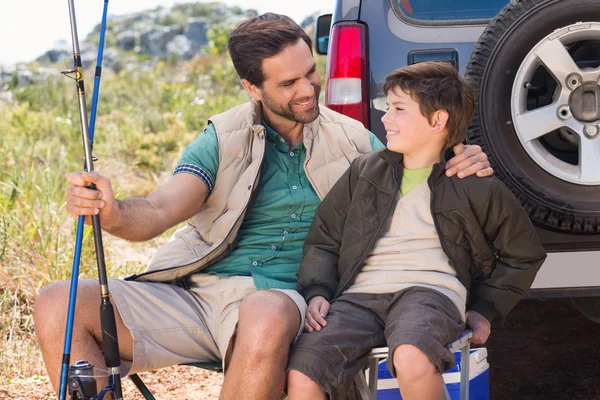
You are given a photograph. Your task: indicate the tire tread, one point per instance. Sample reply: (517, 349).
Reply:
(481, 55)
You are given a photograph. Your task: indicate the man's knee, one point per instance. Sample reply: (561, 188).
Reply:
(298, 383)
(269, 313)
(411, 364)
(51, 306)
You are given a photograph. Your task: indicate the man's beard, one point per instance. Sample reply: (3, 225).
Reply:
(287, 111)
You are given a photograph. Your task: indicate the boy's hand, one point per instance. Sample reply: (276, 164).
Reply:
(468, 160)
(316, 312)
(480, 325)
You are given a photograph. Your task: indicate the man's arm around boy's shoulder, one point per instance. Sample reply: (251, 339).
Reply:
(519, 252)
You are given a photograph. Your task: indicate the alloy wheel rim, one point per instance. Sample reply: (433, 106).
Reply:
(574, 112)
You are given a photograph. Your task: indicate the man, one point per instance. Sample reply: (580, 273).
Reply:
(248, 186)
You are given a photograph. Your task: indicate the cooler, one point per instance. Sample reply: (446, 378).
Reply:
(387, 386)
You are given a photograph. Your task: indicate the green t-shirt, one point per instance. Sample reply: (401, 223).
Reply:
(412, 177)
(269, 244)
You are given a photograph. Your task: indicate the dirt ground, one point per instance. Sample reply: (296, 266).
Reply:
(169, 383)
(545, 351)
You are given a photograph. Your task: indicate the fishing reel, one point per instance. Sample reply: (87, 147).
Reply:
(82, 384)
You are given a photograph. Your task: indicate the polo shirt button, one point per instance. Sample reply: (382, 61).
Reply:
(273, 248)
(294, 187)
(282, 140)
(293, 216)
(254, 263)
(292, 154)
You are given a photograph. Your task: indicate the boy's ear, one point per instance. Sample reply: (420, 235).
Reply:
(252, 90)
(439, 121)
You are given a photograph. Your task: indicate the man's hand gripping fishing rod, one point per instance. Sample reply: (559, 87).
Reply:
(79, 377)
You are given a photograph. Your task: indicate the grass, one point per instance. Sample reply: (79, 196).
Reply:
(145, 118)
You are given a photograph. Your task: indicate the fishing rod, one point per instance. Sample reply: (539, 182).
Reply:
(79, 377)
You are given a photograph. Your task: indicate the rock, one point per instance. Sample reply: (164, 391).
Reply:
(88, 58)
(180, 46)
(128, 20)
(196, 32)
(152, 34)
(128, 39)
(59, 51)
(44, 73)
(150, 39)
(53, 55)
(110, 56)
(23, 75)
(6, 74)
(154, 40)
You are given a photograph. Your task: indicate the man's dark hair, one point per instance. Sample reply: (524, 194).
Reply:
(262, 37)
(437, 86)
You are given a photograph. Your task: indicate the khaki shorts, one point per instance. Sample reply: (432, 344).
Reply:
(170, 325)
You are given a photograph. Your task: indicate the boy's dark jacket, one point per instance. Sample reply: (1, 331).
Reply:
(483, 230)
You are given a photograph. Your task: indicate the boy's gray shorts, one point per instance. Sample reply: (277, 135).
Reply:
(358, 322)
(171, 325)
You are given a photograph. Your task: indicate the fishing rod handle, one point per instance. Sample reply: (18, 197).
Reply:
(99, 247)
(109, 334)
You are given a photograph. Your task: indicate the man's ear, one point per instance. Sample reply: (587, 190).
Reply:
(252, 90)
(439, 121)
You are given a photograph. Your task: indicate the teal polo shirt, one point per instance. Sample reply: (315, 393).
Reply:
(269, 244)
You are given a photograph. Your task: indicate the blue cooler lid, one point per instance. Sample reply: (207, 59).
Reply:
(384, 373)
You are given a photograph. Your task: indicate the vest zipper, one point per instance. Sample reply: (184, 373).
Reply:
(310, 180)
(207, 259)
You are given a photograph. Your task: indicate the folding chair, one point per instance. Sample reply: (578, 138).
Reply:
(368, 391)
(144, 391)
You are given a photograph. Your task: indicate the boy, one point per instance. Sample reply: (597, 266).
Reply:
(402, 251)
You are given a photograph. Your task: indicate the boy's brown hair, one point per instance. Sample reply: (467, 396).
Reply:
(437, 86)
(262, 37)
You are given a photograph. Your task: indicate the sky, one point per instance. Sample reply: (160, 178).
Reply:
(30, 27)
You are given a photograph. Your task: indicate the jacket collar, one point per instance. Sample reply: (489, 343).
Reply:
(439, 169)
(254, 119)
(309, 130)
(437, 173)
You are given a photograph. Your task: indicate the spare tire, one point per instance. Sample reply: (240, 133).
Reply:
(537, 70)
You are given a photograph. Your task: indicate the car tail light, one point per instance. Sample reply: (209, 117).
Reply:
(346, 90)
